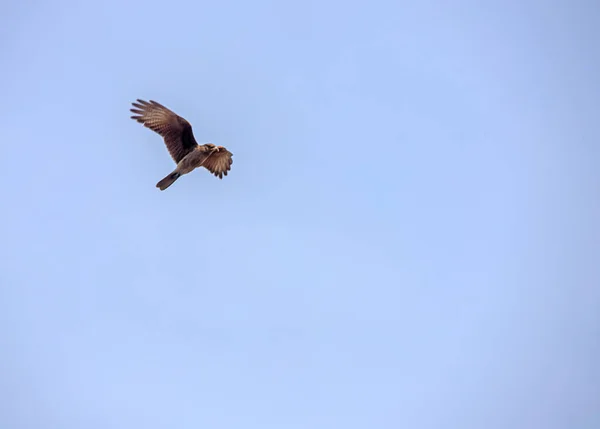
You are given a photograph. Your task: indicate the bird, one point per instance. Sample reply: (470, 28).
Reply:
(181, 144)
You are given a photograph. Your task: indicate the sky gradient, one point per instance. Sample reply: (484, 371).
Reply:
(408, 237)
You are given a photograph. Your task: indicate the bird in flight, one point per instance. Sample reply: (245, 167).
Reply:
(181, 144)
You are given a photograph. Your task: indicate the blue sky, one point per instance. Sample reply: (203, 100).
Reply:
(408, 236)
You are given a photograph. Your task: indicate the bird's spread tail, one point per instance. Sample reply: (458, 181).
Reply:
(168, 181)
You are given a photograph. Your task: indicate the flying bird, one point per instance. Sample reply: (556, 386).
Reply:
(181, 144)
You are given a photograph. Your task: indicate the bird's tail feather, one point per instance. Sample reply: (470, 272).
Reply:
(168, 181)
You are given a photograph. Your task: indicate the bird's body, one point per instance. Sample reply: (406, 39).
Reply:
(181, 144)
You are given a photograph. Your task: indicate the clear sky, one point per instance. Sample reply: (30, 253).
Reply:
(408, 237)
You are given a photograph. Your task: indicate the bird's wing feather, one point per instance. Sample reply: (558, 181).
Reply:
(219, 163)
(176, 131)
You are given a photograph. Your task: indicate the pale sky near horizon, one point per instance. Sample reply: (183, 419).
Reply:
(408, 237)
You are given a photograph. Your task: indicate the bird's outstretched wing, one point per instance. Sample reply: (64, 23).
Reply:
(176, 131)
(219, 162)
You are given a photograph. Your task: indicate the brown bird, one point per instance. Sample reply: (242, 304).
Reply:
(180, 142)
